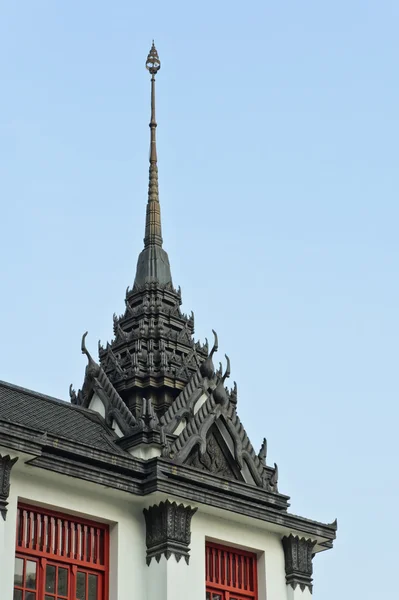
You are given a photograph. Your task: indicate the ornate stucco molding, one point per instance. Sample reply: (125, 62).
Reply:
(298, 554)
(6, 464)
(168, 530)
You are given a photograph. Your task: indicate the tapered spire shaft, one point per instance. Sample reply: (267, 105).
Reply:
(153, 262)
(153, 230)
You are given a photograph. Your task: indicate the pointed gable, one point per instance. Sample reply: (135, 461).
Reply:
(216, 459)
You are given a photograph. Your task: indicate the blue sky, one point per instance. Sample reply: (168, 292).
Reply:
(278, 150)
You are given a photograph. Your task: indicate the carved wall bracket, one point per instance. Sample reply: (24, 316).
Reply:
(6, 464)
(298, 554)
(168, 530)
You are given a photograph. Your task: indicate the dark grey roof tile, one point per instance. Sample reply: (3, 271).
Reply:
(57, 417)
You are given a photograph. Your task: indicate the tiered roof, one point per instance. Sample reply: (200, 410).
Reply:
(167, 417)
(155, 378)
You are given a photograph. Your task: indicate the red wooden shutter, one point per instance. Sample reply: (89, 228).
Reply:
(70, 554)
(231, 574)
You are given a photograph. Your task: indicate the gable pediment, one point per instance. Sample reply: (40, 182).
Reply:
(217, 457)
(214, 440)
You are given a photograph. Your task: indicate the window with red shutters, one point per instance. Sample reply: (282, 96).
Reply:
(230, 573)
(59, 557)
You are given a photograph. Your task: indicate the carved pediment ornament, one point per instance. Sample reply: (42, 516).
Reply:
(6, 464)
(213, 460)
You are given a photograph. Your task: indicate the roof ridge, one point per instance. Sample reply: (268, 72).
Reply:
(193, 425)
(115, 399)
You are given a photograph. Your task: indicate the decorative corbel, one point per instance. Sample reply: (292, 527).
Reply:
(6, 464)
(168, 530)
(298, 554)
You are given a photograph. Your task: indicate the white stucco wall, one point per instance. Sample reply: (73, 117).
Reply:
(271, 571)
(130, 577)
(170, 580)
(145, 451)
(298, 594)
(65, 494)
(97, 404)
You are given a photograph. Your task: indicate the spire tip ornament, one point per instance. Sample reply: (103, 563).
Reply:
(153, 233)
(153, 64)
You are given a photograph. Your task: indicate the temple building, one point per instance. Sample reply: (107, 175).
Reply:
(145, 484)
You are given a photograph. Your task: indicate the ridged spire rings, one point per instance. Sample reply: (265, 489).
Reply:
(153, 64)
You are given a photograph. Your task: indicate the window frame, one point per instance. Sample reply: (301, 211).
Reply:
(23, 587)
(65, 554)
(225, 590)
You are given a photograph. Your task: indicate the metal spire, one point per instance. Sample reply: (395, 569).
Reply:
(153, 231)
(153, 262)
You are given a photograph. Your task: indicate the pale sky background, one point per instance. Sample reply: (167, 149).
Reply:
(278, 164)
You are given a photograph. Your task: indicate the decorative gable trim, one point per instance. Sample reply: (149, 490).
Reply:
(181, 406)
(97, 382)
(168, 530)
(195, 433)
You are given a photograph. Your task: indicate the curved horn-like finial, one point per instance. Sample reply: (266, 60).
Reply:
(85, 350)
(334, 524)
(72, 393)
(220, 393)
(274, 477)
(207, 368)
(83, 344)
(227, 372)
(215, 343)
(263, 451)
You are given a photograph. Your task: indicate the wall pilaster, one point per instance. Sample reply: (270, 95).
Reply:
(298, 594)
(168, 537)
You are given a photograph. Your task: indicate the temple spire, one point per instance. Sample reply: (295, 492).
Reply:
(153, 262)
(153, 231)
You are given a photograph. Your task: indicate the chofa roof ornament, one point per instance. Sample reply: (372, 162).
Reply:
(92, 368)
(220, 394)
(207, 368)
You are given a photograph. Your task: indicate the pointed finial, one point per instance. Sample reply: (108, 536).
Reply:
(227, 372)
(153, 262)
(153, 64)
(263, 451)
(153, 232)
(92, 366)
